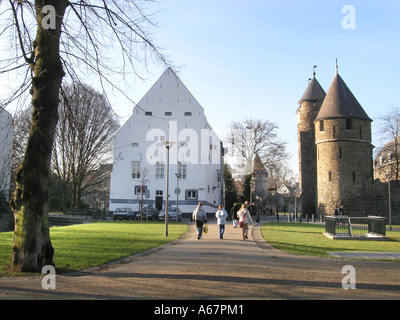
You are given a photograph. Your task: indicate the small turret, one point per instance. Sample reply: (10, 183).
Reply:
(310, 104)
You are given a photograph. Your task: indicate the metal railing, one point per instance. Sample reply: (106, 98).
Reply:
(345, 226)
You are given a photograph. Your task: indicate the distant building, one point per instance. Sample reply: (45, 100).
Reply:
(6, 142)
(286, 190)
(286, 198)
(387, 162)
(167, 112)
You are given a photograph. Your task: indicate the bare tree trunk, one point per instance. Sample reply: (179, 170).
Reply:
(32, 248)
(122, 22)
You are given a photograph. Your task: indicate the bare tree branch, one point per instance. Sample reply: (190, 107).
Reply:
(255, 136)
(79, 42)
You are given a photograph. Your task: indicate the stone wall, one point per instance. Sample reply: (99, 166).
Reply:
(378, 203)
(344, 166)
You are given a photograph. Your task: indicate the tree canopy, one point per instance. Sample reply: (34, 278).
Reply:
(44, 42)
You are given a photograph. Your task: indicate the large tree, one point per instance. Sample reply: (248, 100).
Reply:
(79, 147)
(255, 136)
(52, 39)
(230, 189)
(84, 138)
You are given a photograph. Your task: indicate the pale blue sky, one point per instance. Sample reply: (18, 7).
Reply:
(254, 58)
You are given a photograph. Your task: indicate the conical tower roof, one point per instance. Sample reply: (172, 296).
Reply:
(259, 167)
(341, 103)
(314, 92)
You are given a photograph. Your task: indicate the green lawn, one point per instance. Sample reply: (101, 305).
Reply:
(82, 246)
(308, 239)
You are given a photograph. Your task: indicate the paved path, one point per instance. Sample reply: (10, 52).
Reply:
(216, 269)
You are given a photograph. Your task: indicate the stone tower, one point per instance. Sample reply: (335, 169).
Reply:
(344, 152)
(307, 112)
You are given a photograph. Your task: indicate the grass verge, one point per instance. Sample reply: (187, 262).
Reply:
(78, 247)
(308, 239)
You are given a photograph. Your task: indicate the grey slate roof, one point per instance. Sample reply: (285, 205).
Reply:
(314, 92)
(341, 103)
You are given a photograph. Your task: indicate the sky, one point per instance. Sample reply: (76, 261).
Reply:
(253, 58)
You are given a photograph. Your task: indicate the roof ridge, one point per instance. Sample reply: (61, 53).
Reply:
(313, 92)
(341, 103)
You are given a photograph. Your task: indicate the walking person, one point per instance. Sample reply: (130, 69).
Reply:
(199, 217)
(234, 214)
(244, 220)
(221, 216)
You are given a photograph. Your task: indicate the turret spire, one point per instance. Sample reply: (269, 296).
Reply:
(337, 68)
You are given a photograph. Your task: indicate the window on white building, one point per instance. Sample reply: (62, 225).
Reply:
(160, 169)
(191, 194)
(135, 169)
(140, 190)
(182, 169)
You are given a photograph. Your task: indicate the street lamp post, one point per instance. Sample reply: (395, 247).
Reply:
(296, 192)
(177, 192)
(168, 145)
(219, 176)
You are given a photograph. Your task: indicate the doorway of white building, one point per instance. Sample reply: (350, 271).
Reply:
(159, 200)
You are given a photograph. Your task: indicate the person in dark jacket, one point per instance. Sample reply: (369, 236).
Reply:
(234, 215)
(200, 217)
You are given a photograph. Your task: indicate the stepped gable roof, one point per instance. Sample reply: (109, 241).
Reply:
(341, 103)
(314, 92)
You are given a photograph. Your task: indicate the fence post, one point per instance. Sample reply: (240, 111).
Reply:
(349, 227)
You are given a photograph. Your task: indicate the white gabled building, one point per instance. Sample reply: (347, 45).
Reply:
(167, 112)
(6, 145)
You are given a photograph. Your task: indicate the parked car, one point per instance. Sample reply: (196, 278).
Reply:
(149, 213)
(123, 213)
(171, 214)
